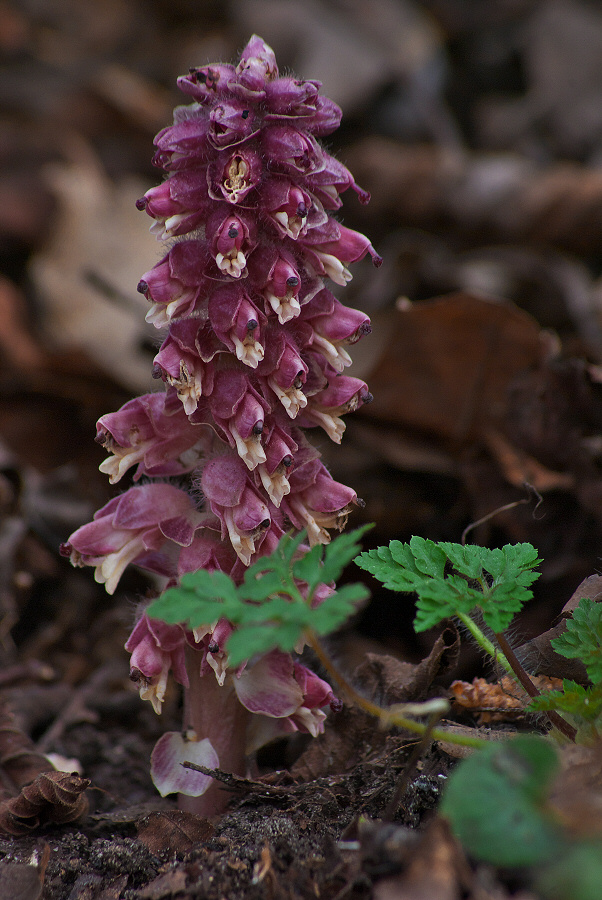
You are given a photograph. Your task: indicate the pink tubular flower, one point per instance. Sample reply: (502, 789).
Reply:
(316, 501)
(154, 433)
(156, 648)
(237, 323)
(143, 519)
(232, 239)
(286, 692)
(183, 145)
(236, 502)
(238, 411)
(174, 284)
(178, 205)
(344, 394)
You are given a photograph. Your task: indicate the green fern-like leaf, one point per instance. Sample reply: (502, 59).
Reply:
(451, 579)
(583, 638)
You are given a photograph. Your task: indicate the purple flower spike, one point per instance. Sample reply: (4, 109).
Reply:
(253, 353)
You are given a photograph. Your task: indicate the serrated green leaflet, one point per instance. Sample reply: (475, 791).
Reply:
(574, 699)
(268, 608)
(451, 579)
(583, 638)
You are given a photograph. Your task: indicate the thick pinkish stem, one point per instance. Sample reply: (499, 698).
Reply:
(214, 712)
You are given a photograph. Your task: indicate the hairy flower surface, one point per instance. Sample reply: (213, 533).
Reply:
(254, 348)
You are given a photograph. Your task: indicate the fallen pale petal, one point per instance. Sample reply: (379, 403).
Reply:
(167, 772)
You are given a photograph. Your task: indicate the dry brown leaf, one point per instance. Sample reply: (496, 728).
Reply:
(494, 702)
(87, 274)
(165, 886)
(52, 798)
(174, 831)
(577, 792)
(503, 195)
(520, 468)
(449, 362)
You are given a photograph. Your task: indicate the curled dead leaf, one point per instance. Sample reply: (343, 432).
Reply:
(52, 798)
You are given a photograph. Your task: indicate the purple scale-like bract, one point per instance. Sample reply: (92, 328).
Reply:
(254, 346)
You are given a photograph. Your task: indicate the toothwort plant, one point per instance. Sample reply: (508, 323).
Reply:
(254, 353)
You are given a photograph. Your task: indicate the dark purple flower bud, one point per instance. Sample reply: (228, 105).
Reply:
(237, 322)
(256, 69)
(183, 144)
(291, 97)
(292, 150)
(325, 119)
(207, 82)
(231, 123)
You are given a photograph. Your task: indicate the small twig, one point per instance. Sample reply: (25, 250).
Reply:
(532, 491)
(404, 780)
(523, 677)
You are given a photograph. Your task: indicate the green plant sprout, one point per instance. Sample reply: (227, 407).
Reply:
(476, 585)
(582, 705)
(483, 588)
(269, 611)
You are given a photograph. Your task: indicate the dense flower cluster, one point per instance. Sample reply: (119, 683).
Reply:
(255, 348)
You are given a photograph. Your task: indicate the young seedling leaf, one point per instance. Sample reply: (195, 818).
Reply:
(336, 609)
(574, 699)
(496, 802)
(583, 638)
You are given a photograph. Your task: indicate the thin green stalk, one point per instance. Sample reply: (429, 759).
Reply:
(384, 715)
(484, 642)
